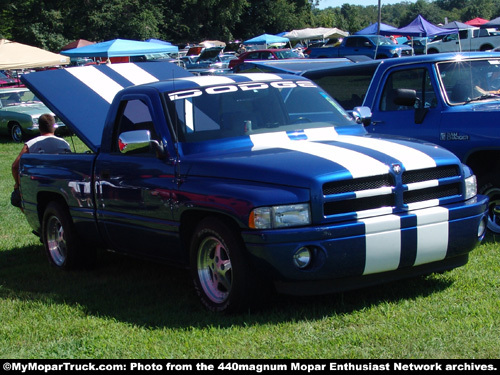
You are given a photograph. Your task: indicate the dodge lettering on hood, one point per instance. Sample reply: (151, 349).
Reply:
(256, 182)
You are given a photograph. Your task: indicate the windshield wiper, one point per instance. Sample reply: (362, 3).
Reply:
(483, 97)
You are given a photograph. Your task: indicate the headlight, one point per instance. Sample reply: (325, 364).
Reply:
(470, 187)
(292, 215)
(393, 51)
(35, 120)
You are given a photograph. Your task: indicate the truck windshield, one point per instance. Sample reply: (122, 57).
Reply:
(215, 112)
(470, 80)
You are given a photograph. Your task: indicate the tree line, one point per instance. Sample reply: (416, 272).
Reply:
(51, 24)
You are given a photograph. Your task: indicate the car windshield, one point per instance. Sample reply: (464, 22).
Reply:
(470, 80)
(288, 54)
(253, 108)
(9, 98)
(381, 40)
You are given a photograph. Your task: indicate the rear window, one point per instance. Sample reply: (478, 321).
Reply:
(348, 86)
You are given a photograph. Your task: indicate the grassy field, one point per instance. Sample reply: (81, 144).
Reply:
(126, 308)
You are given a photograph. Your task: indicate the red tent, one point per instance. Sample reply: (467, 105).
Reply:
(76, 44)
(476, 22)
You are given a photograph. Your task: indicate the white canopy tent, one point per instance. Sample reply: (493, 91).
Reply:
(316, 33)
(15, 55)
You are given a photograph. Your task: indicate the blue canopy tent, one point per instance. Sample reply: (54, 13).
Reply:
(153, 40)
(372, 29)
(119, 48)
(266, 39)
(420, 27)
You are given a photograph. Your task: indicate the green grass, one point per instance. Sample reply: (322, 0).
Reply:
(125, 308)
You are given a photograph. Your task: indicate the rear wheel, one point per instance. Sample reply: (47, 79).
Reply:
(222, 277)
(62, 244)
(16, 132)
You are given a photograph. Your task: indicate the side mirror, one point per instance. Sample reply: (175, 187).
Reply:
(139, 141)
(362, 115)
(405, 97)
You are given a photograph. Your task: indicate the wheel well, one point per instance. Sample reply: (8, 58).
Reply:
(43, 199)
(432, 50)
(486, 47)
(12, 123)
(484, 162)
(190, 219)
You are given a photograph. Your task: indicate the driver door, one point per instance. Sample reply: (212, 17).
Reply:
(420, 121)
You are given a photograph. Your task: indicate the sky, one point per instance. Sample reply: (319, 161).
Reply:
(337, 3)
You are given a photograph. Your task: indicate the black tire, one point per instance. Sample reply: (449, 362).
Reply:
(63, 246)
(16, 132)
(221, 275)
(432, 51)
(491, 188)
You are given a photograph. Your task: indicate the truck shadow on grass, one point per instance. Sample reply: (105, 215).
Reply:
(155, 295)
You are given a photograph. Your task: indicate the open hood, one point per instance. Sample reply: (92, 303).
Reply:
(81, 96)
(209, 53)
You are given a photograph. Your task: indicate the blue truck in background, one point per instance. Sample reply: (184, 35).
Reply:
(254, 182)
(372, 46)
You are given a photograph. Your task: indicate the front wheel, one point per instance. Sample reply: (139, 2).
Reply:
(62, 244)
(16, 133)
(492, 190)
(221, 275)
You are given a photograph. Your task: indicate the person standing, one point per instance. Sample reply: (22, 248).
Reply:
(46, 142)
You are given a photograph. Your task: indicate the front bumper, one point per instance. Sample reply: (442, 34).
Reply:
(364, 252)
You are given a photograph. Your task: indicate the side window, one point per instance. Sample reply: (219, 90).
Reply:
(134, 115)
(414, 79)
(351, 42)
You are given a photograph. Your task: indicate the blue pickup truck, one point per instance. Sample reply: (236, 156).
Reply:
(253, 181)
(372, 46)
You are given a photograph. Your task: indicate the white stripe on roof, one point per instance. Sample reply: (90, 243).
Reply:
(260, 76)
(209, 80)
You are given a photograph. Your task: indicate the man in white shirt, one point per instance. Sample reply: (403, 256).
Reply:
(46, 143)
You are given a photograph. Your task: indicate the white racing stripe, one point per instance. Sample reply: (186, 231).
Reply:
(321, 134)
(383, 239)
(209, 80)
(432, 235)
(260, 76)
(133, 73)
(410, 157)
(358, 164)
(97, 81)
(383, 244)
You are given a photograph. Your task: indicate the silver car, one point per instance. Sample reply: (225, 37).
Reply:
(19, 113)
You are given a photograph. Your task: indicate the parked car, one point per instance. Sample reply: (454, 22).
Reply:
(264, 54)
(418, 46)
(19, 113)
(7, 80)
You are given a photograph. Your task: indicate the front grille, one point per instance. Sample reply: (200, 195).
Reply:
(437, 192)
(366, 183)
(437, 173)
(396, 191)
(360, 204)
